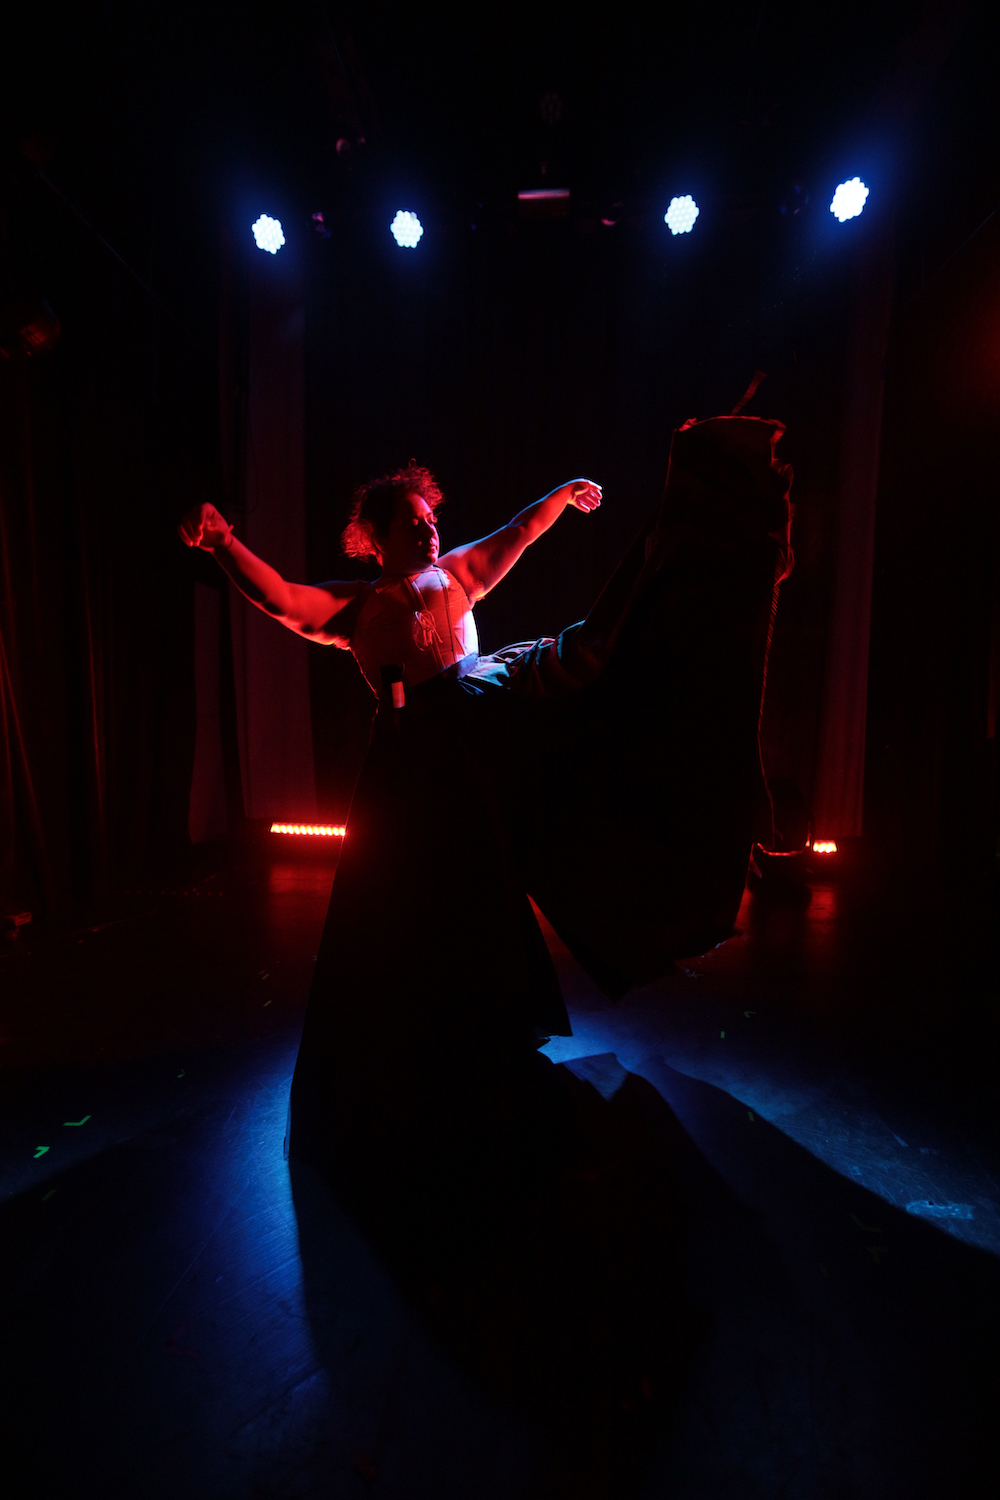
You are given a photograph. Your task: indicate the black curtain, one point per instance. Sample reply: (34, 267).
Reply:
(931, 778)
(931, 787)
(103, 440)
(125, 138)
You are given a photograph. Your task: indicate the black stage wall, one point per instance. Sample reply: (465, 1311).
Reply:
(506, 355)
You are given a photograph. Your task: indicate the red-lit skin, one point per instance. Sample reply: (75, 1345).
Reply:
(326, 613)
(411, 544)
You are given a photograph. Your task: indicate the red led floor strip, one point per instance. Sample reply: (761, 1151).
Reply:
(318, 830)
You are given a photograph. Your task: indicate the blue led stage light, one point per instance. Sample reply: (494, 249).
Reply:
(680, 216)
(406, 229)
(268, 235)
(849, 199)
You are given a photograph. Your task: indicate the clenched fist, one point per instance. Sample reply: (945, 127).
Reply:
(205, 527)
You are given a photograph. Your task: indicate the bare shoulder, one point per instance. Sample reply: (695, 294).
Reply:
(327, 612)
(345, 590)
(460, 565)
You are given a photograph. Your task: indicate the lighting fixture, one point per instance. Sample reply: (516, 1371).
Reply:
(318, 830)
(268, 235)
(406, 229)
(680, 216)
(849, 199)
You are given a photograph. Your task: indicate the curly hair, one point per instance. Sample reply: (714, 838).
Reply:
(374, 504)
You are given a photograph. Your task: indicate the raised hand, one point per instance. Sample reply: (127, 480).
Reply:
(204, 527)
(584, 494)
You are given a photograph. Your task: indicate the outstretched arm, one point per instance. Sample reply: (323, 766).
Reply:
(320, 614)
(478, 566)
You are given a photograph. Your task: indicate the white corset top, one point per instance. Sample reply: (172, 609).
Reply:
(420, 622)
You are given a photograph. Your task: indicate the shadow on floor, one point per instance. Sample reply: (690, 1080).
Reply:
(827, 1347)
(554, 1285)
(159, 1338)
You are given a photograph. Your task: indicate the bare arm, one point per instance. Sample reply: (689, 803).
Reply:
(321, 614)
(478, 566)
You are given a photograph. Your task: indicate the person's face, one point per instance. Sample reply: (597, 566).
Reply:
(411, 543)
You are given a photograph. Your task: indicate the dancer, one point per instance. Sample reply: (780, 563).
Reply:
(610, 774)
(401, 615)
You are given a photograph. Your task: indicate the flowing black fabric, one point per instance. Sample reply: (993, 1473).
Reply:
(610, 774)
(637, 843)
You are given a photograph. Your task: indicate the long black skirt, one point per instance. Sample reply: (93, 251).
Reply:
(612, 776)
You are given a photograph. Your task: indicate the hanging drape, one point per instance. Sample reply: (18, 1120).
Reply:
(103, 439)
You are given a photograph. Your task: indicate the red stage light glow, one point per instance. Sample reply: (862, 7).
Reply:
(320, 830)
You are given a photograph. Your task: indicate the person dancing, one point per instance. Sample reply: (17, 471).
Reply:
(609, 774)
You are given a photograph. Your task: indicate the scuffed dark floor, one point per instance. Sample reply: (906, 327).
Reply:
(185, 1315)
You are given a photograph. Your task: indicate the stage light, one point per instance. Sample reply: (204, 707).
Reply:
(849, 199)
(406, 229)
(825, 846)
(317, 830)
(268, 235)
(680, 216)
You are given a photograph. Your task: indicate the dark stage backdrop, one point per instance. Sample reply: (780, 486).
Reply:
(507, 357)
(507, 362)
(932, 772)
(102, 439)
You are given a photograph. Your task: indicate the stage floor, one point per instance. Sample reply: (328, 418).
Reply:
(176, 1323)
